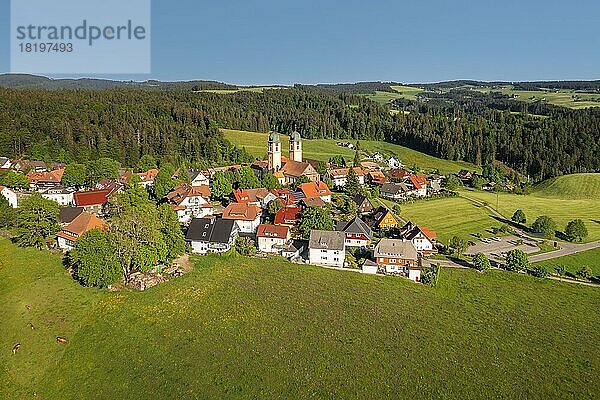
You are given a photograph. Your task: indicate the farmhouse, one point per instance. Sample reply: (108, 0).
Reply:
(190, 201)
(421, 237)
(5, 163)
(327, 248)
(66, 215)
(245, 215)
(92, 201)
(419, 183)
(272, 238)
(148, 177)
(197, 178)
(211, 235)
(81, 224)
(398, 256)
(395, 191)
(383, 219)
(357, 232)
(45, 180)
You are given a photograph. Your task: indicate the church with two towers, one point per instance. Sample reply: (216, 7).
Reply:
(287, 170)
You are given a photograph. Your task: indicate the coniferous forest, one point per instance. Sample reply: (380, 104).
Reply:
(182, 126)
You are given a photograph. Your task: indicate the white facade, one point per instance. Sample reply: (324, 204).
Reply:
(6, 164)
(414, 275)
(422, 243)
(193, 207)
(62, 197)
(65, 244)
(11, 196)
(266, 244)
(248, 226)
(200, 180)
(394, 162)
(334, 258)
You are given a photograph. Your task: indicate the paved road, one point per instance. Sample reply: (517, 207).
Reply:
(566, 249)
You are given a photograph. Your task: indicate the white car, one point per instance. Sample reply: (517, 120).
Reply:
(497, 239)
(485, 240)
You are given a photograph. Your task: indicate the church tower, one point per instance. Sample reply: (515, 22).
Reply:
(274, 152)
(296, 147)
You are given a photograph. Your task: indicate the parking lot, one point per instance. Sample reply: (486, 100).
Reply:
(497, 249)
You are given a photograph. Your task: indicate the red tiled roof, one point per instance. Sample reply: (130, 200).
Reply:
(92, 197)
(276, 231)
(149, 175)
(418, 181)
(315, 189)
(241, 212)
(81, 224)
(287, 215)
(46, 177)
(241, 196)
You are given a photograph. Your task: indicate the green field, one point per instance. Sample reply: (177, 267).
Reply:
(561, 98)
(240, 328)
(450, 216)
(322, 149)
(574, 262)
(549, 201)
(574, 187)
(401, 92)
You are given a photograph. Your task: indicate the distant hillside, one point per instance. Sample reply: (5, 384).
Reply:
(22, 81)
(354, 88)
(572, 187)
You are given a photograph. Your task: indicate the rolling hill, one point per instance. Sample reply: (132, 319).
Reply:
(576, 187)
(251, 328)
(323, 149)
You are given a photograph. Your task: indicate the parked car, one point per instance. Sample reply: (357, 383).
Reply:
(470, 243)
(497, 239)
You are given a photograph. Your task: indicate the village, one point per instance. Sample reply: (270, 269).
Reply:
(268, 219)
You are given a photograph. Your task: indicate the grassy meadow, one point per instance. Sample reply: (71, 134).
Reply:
(574, 262)
(563, 199)
(561, 98)
(449, 217)
(400, 92)
(249, 328)
(322, 149)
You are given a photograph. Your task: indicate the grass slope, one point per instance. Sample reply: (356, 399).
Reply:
(238, 328)
(401, 92)
(574, 262)
(450, 216)
(561, 207)
(561, 98)
(322, 149)
(576, 187)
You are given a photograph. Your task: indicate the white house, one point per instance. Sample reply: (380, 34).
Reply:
(327, 248)
(10, 195)
(62, 196)
(190, 202)
(83, 223)
(197, 178)
(211, 235)
(246, 216)
(272, 238)
(393, 162)
(339, 176)
(316, 189)
(421, 237)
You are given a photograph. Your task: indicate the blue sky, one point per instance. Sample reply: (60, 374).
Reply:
(277, 41)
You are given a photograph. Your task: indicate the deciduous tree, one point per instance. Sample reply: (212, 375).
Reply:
(576, 230)
(517, 260)
(95, 260)
(37, 221)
